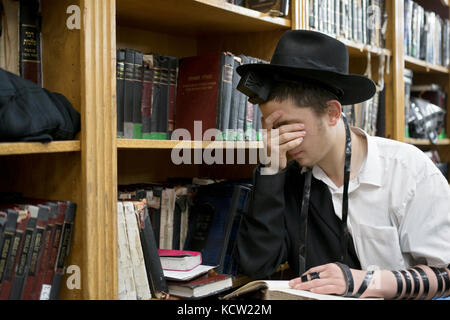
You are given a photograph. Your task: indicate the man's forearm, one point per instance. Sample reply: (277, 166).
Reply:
(420, 282)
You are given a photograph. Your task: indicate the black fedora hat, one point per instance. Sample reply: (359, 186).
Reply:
(312, 56)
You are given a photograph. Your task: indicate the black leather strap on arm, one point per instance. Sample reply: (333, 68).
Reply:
(425, 282)
(348, 279)
(440, 282)
(399, 279)
(416, 279)
(445, 276)
(408, 284)
(364, 284)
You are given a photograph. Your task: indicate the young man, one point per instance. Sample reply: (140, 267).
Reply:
(337, 203)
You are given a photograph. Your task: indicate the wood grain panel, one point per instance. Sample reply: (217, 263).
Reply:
(99, 153)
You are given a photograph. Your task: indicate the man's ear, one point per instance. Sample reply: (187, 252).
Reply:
(334, 112)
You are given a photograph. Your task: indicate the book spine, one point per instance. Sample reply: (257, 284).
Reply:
(126, 282)
(63, 249)
(337, 17)
(173, 74)
(137, 258)
(120, 91)
(44, 291)
(30, 41)
(235, 103)
(163, 114)
(44, 263)
(137, 96)
(225, 91)
(147, 96)
(129, 93)
(155, 274)
(156, 91)
(31, 271)
(312, 20)
(8, 241)
(155, 213)
(25, 255)
(13, 257)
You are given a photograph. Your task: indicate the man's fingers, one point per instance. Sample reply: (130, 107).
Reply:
(313, 284)
(321, 268)
(268, 122)
(286, 137)
(328, 289)
(289, 145)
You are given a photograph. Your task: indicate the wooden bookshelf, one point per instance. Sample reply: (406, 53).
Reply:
(194, 17)
(425, 142)
(7, 149)
(81, 65)
(418, 65)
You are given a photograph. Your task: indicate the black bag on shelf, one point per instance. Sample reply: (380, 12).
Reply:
(29, 113)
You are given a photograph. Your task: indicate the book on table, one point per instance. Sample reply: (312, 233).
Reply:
(279, 290)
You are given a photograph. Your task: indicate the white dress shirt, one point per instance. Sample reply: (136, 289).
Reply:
(398, 207)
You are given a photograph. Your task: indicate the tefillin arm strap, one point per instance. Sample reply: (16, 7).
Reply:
(305, 205)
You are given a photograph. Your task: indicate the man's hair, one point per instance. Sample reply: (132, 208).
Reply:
(303, 95)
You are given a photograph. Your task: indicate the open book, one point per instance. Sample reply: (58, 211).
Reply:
(280, 290)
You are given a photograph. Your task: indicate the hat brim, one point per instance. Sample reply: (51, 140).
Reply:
(355, 88)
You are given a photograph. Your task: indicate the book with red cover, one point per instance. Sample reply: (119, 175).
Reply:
(179, 260)
(39, 267)
(44, 288)
(204, 92)
(207, 285)
(30, 41)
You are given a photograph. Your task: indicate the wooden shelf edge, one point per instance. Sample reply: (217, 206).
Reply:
(230, 17)
(424, 66)
(171, 144)
(18, 148)
(357, 47)
(425, 142)
(246, 12)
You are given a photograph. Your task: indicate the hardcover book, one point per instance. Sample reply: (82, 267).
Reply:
(179, 260)
(279, 290)
(204, 92)
(30, 41)
(207, 285)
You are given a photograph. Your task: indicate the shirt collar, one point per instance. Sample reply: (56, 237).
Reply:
(370, 172)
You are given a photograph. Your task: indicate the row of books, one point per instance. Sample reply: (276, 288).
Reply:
(362, 21)
(157, 94)
(189, 217)
(20, 38)
(427, 35)
(365, 115)
(146, 87)
(34, 244)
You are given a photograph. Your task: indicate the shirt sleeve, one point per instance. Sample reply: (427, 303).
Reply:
(262, 238)
(425, 229)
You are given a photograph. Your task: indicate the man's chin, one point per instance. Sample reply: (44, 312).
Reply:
(303, 162)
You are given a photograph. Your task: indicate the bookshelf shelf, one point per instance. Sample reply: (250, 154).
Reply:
(195, 17)
(358, 49)
(424, 66)
(425, 142)
(37, 147)
(170, 144)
